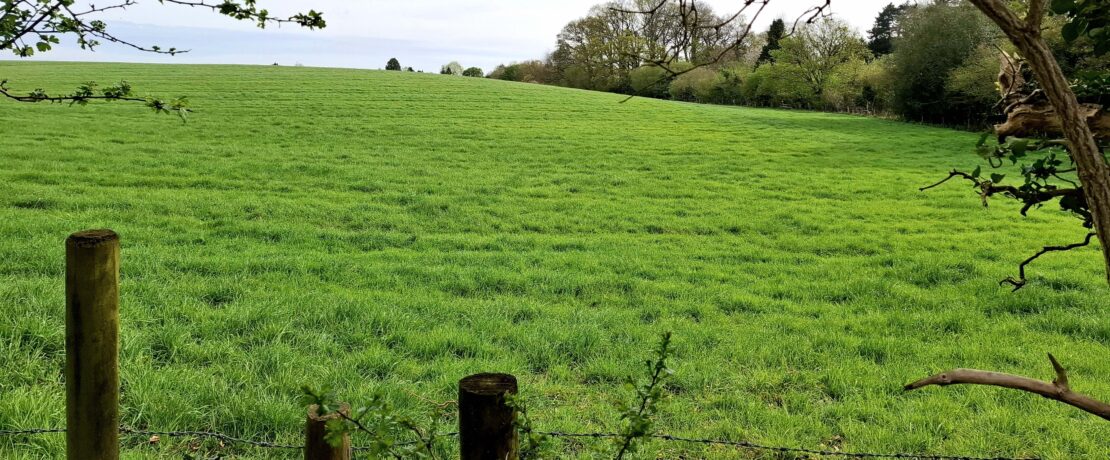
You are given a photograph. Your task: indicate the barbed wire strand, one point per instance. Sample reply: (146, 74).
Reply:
(799, 450)
(210, 435)
(554, 434)
(192, 434)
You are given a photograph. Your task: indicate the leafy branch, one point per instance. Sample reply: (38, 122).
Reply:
(638, 419)
(384, 426)
(90, 91)
(1041, 184)
(1089, 18)
(533, 443)
(36, 26)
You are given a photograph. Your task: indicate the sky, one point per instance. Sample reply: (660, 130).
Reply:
(424, 34)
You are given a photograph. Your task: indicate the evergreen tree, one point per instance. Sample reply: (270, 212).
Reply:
(881, 36)
(774, 35)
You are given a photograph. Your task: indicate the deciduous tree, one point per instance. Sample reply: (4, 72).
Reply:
(936, 39)
(816, 49)
(451, 68)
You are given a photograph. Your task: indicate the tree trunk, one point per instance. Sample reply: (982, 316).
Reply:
(1091, 166)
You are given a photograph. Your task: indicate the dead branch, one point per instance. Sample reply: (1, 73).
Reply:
(1057, 390)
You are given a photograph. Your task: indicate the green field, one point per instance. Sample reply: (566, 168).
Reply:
(395, 232)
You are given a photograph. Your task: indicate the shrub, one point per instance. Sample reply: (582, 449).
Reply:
(730, 84)
(474, 72)
(508, 73)
(697, 85)
(855, 86)
(973, 83)
(779, 85)
(650, 81)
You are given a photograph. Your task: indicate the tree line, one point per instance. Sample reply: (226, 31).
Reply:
(934, 62)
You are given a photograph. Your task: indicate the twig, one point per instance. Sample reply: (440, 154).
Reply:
(1020, 282)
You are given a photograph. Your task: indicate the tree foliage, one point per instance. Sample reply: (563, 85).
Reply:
(817, 49)
(601, 50)
(1085, 18)
(935, 39)
(882, 34)
(697, 85)
(774, 35)
(393, 65)
(650, 81)
(451, 68)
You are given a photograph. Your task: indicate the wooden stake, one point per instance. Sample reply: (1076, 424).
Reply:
(92, 345)
(486, 429)
(316, 446)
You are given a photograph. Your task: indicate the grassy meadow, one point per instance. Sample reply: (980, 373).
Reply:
(394, 232)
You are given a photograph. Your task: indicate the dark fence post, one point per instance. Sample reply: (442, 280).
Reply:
(316, 446)
(486, 429)
(92, 345)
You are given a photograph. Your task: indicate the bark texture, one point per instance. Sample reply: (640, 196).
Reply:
(1094, 174)
(1058, 389)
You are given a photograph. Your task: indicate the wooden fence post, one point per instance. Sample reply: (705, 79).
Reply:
(92, 345)
(316, 446)
(486, 429)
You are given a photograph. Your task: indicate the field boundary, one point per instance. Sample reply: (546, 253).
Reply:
(489, 418)
(554, 434)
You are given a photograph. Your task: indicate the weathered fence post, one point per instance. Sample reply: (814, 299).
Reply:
(92, 345)
(316, 446)
(486, 429)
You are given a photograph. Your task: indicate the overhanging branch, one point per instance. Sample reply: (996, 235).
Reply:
(1030, 198)
(1021, 281)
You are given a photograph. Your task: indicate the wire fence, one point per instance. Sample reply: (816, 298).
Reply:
(554, 434)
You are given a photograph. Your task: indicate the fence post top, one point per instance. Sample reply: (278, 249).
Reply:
(92, 238)
(314, 413)
(488, 384)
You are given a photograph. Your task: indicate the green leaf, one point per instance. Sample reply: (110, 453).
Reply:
(977, 172)
(1062, 6)
(997, 178)
(1072, 30)
(983, 139)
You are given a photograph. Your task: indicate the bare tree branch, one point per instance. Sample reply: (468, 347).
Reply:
(1021, 281)
(688, 14)
(95, 9)
(1057, 390)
